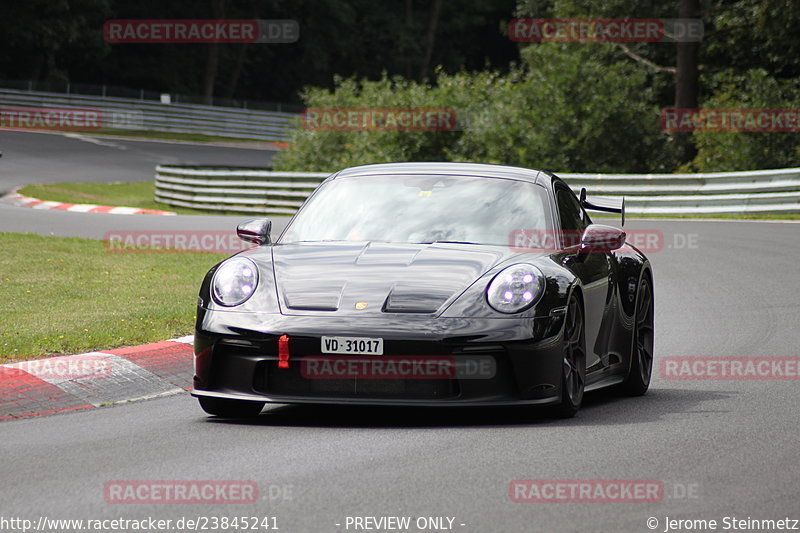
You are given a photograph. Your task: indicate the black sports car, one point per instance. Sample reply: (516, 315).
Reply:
(428, 284)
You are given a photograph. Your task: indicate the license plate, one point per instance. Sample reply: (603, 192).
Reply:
(352, 345)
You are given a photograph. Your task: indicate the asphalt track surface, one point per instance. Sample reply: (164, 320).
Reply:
(720, 448)
(30, 157)
(96, 225)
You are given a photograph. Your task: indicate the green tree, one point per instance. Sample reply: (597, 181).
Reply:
(40, 40)
(729, 151)
(559, 111)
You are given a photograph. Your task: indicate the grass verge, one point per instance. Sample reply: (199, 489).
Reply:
(175, 136)
(129, 194)
(68, 295)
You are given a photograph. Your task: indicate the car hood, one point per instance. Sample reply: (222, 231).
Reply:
(369, 279)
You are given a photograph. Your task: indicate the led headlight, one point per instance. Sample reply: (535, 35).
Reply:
(234, 281)
(515, 288)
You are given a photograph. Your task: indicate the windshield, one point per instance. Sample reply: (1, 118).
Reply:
(420, 209)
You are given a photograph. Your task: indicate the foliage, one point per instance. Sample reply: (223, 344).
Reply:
(728, 151)
(569, 107)
(560, 111)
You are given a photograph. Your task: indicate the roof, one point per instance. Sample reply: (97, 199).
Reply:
(449, 169)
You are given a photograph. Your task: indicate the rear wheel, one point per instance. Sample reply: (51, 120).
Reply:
(230, 408)
(638, 380)
(573, 374)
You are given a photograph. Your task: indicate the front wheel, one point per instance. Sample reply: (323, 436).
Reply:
(638, 380)
(573, 363)
(230, 408)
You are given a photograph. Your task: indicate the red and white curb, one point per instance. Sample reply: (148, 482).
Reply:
(28, 201)
(89, 380)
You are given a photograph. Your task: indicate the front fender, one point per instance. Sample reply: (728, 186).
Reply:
(472, 302)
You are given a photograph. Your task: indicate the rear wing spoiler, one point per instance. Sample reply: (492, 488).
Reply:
(604, 203)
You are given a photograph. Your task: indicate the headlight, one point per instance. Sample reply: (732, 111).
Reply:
(516, 288)
(234, 281)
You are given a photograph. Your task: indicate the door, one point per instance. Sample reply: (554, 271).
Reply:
(593, 269)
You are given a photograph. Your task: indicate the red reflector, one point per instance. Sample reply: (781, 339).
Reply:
(283, 351)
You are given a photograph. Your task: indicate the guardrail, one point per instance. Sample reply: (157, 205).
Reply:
(281, 193)
(104, 90)
(235, 190)
(717, 193)
(130, 113)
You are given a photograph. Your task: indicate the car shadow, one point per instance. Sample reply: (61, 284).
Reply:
(600, 408)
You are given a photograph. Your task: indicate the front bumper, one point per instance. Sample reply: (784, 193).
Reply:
(236, 357)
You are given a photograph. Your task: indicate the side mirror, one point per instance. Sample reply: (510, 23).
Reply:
(600, 238)
(255, 230)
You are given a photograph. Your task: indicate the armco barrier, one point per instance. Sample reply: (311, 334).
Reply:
(281, 193)
(130, 113)
(734, 193)
(235, 190)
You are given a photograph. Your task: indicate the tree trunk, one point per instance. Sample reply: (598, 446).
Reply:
(430, 39)
(212, 59)
(687, 79)
(409, 27)
(210, 75)
(237, 70)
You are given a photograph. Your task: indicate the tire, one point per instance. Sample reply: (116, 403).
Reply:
(638, 380)
(573, 361)
(230, 408)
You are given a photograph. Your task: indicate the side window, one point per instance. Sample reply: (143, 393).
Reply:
(573, 218)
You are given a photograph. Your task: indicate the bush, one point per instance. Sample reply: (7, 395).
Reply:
(569, 112)
(730, 151)
(571, 107)
(315, 150)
